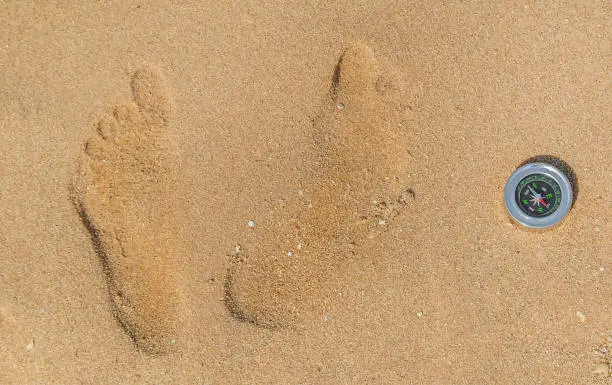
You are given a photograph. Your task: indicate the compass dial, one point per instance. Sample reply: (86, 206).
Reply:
(538, 195)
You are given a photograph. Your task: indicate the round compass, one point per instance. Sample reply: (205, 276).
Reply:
(538, 195)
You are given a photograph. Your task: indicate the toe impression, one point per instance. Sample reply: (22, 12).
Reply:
(151, 95)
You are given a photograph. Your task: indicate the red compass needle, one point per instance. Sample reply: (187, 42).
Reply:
(538, 197)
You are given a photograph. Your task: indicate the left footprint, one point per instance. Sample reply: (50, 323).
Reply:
(126, 198)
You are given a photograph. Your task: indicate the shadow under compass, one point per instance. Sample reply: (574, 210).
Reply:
(561, 165)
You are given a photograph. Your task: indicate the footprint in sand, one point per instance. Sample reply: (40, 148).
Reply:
(124, 194)
(360, 185)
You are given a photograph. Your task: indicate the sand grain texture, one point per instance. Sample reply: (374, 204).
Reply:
(126, 198)
(358, 186)
(279, 117)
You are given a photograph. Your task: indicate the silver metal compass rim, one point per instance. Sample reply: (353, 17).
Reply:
(543, 222)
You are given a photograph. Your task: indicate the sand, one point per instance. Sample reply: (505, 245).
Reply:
(128, 201)
(232, 193)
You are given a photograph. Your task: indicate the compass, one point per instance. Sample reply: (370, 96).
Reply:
(538, 195)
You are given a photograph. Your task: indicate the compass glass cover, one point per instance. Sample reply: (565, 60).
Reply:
(538, 195)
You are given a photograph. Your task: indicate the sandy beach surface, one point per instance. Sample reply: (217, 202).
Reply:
(244, 192)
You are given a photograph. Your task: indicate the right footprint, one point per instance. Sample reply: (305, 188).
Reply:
(360, 186)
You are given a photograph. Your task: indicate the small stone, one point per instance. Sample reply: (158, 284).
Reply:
(603, 350)
(251, 223)
(289, 254)
(420, 314)
(30, 346)
(581, 316)
(340, 106)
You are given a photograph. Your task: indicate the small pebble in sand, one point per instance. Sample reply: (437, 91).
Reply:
(30, 346)
(251, 223)
(601, 268)
(581, 316)
(289, 254)
(420, 314)
(340, 106)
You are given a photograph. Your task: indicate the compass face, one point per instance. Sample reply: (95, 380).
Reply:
(538, 195)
